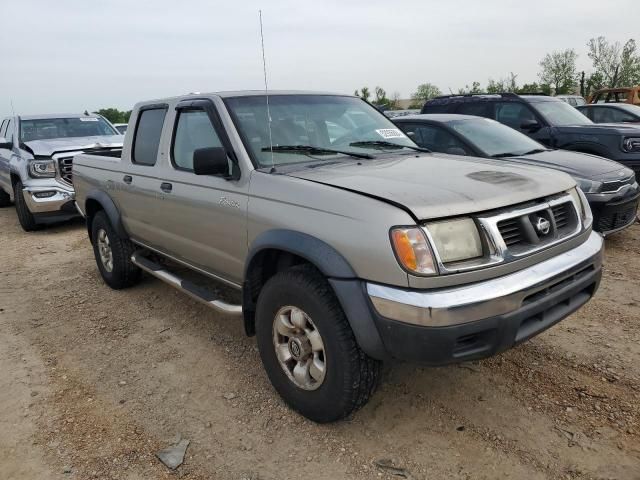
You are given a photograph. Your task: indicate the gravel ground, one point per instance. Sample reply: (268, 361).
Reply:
(93, 382)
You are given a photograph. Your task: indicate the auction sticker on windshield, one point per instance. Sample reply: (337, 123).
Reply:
(390, 133)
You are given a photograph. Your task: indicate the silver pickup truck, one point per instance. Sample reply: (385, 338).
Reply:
(36, 154)
(347, 243)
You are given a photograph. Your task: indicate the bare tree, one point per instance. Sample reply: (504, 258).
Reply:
(614, 64)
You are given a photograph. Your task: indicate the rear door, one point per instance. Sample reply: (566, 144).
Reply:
(204, 217)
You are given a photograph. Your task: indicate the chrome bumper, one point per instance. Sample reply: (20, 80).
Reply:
(51, 204)
(499, 296)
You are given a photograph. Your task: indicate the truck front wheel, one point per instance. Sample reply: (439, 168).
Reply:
(25, 217)
(113, 254)
(308, 348)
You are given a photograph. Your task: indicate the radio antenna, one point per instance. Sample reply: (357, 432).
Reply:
(13, 112)
(266, 92)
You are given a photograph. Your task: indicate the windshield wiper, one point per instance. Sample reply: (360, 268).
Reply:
(512, 154)
(384, 144)
(310, 149)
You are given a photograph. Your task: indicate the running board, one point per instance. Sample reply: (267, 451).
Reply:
(185, 286)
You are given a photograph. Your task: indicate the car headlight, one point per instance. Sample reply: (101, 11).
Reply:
(412, 250)
(42, 168)
(456, 240)
(583, 204)
(631, 144)
(588, 186)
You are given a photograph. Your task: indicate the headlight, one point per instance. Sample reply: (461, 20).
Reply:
(588, 186)
(412, 250)
(631, 144)
(42, 168)
(583, 205)
(456, 240)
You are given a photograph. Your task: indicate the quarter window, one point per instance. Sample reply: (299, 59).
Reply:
(147, 139)
(194, 130)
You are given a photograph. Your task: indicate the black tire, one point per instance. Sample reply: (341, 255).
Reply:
(350, 377)
(5, 199)
(25, 217)
(123, 272)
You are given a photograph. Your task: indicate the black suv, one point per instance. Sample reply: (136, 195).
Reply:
(550, 121)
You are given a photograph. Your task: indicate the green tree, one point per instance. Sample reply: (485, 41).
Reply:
(503, 85)
(114, 115)
(365, 94)
(474, 88)
(558, 69)
(424, 92)
(614, 64)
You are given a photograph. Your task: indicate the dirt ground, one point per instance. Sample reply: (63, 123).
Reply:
(93, 382)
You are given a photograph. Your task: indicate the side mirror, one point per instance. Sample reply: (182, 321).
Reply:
(456, 151)
(530, 125)
(211, 161)
(4, 143)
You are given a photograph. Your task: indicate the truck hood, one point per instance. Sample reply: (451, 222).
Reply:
(53, 145)
(591, 167)
(438, 185)
(601, 129)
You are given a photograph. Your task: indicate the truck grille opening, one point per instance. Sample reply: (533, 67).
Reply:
(511, 231)
(66, 165)
(561, 215)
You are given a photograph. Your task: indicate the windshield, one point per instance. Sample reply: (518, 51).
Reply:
(320, 121)
(560, 114)
(494, 138)
(48, 128)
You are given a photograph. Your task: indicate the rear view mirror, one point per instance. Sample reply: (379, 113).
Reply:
(4, 143)
(530, 125)
(456, 151)
(211, 161)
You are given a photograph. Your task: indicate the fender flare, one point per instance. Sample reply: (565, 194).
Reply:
(110, 209)
(342, 278)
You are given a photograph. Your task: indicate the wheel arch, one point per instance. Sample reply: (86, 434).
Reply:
(276, 250)
(96, 201)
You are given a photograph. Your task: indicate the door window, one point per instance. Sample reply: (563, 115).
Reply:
(146, 141)
(513, 114)
(194, 130)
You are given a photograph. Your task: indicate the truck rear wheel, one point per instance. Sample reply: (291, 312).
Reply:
(113, 254)
(308, 348)
(25, 217)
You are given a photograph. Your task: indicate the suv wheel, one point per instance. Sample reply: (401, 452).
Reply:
(308, 348)
(113, 254)
(25, 217)
(5, 199)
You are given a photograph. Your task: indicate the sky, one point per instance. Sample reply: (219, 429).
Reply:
(72, 55)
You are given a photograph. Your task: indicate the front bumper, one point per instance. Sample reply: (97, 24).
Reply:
(614, 212)
(474, 321)
(59, 200)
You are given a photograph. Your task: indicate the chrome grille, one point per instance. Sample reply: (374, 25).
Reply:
(511, 231)
(66, 164)
(561, 215)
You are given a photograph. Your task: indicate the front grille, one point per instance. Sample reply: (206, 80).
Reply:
(561, 215)
(615, 217)
(66, 165)
(536, 228)
(511, 231)
(615, 185)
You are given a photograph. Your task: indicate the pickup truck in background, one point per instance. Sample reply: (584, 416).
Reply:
(348, 245)
(36, 154)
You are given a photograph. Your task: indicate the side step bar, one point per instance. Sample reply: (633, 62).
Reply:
(185, 286)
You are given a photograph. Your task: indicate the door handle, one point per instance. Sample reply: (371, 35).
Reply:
(166, 187)
(127, 179)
